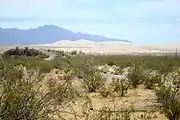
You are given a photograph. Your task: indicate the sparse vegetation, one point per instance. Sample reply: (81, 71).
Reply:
(29, 90)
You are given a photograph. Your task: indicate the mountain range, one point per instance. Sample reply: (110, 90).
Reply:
(46, 34)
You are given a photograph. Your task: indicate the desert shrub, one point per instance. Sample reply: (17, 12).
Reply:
(79, 72)
(18, 100)
(136, 76)
(87, 107)
(62, 91)
(104, 69)
(24, 97)
(165, 68)
(169, 98)
(61, 53)
(74, 52)
(107, 113)
(152, 81)
(119, 86)
(47, 66)
(147, 115)
(92, 79)
(32, 63)
(81, 53)
(118, 71)
(168, 95)
(104, 91)
(57, 63)
(111, 63)
(26, 52)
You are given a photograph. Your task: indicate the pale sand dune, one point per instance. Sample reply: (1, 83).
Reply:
(93, 47)
(109, 47)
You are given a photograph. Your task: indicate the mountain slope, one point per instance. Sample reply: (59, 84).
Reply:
(46, 34)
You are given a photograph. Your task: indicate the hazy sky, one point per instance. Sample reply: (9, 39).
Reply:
(140, 21)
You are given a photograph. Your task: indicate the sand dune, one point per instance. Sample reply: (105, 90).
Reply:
(109, 47)
(114, 47)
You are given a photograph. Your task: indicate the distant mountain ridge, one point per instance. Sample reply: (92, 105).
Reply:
(47, 34)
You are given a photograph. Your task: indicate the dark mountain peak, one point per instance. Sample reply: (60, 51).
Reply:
(49, 27)
(46, 34)
(53, 28)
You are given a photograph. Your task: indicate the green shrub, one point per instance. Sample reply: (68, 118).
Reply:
(62, 91)
(119, 86)
(118, 71)
(105, 92)
(168, 95)
(169, 99)
(92, 79)
(136, 76)
(111, 63)
(107, 113)
(23, 96)
(18, 100)
(152, 81)
(74, 52)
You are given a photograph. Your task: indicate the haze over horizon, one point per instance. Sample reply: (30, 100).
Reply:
(139, 21)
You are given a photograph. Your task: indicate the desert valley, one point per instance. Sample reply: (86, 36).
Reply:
(97, 78)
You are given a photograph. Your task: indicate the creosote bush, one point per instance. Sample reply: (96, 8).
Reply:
(168, 96)
(152, 81)
(107, 113)
(92, 79)
(104, 91)
(120, 86)
(111, 63)
(18, 100)
(26, 52)
(62, 91)
(74, 52)
(23, 97)
(118, 71)
(136, 76)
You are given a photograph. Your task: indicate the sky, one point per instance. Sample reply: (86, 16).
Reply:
(140, 21)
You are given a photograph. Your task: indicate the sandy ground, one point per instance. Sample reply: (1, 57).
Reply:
(140, 99)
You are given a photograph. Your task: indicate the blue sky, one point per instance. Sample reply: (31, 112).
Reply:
(140, 21)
